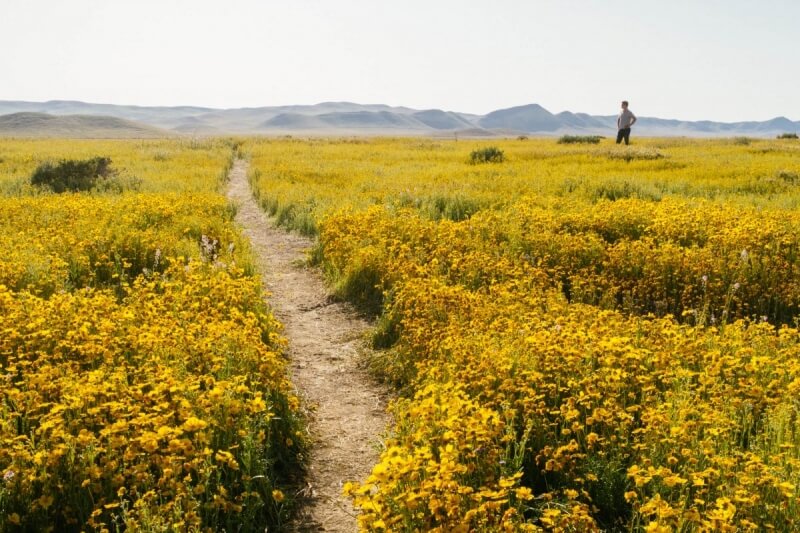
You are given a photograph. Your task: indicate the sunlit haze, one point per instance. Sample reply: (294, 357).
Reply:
(718, 60)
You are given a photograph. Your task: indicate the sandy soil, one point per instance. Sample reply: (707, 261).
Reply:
(348, 409)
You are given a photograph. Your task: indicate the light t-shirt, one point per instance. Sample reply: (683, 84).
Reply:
(625, 119)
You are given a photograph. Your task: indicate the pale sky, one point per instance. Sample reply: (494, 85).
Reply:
(725, 60)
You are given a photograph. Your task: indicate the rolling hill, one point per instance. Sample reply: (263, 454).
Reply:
(527, 118)
(30, 124)
(58, 118)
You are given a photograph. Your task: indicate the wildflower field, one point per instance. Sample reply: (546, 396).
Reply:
(142, 380)
(583, 337)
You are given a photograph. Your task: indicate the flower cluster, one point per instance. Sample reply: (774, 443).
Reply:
(167, 408)
(143, 381)
(583, 396)
(576, 350)
(50, 244)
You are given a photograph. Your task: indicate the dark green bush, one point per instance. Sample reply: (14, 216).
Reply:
(743, 141)
(490, 154)
(787, 136)
(73, 175)
(579, 139)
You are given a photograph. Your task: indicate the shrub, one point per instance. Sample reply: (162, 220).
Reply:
(744, 141)
(73, 175)
(787, 136)
(631, 154)
(490, 154)
(579, 139)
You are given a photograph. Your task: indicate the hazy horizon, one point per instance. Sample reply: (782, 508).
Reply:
(554, 112)
(721, 61)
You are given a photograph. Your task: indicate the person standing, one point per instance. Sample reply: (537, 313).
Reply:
(625, 120)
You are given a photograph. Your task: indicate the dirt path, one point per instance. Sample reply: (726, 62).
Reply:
(348, 407)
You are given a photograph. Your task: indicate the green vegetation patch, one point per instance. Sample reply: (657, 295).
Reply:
(70, 175)
(490, 154)
(580, 139)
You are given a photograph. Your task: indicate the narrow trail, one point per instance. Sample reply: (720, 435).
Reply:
(348, 409)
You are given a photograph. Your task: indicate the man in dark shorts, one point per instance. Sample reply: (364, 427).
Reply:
(625, 120)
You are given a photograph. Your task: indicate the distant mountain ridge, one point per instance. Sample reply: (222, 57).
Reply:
(32, 124)
(353, 119)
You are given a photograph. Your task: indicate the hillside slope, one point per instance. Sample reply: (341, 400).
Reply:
(27, 124)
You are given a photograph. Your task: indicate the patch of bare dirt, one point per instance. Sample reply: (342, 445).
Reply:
(348, 408)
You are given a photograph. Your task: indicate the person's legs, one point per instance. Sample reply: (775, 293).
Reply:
(620, 134)
(627, 134)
